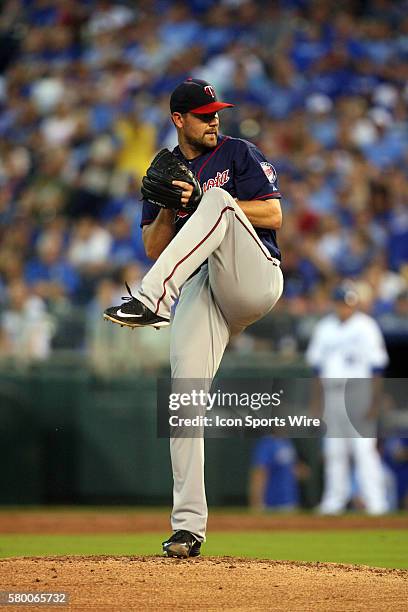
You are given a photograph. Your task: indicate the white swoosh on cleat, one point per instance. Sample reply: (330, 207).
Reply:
(119, 313)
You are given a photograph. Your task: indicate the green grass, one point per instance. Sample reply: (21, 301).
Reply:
(381, 548)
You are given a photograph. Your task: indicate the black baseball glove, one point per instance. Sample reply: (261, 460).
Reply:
(157, 184)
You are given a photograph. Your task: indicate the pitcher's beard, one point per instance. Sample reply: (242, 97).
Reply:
(202, 145)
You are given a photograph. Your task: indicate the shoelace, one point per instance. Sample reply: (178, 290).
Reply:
(126, 298)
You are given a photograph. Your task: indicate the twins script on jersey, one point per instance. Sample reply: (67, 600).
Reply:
(237, 166)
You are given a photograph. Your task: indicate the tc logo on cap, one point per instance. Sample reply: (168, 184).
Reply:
(209, 90)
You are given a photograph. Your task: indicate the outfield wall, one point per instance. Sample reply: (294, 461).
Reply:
(70, 437)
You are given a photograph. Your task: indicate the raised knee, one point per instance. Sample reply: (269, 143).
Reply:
(218, 195)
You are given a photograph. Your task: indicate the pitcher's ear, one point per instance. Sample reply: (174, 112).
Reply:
(177, 119)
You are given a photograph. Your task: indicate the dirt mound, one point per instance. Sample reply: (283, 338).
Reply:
(206, 583)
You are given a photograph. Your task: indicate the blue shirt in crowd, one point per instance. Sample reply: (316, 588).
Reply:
(278, 457)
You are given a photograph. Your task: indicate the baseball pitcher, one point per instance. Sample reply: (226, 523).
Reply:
(210, 214)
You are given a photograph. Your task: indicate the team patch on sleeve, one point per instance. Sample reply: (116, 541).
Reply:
(269, 171)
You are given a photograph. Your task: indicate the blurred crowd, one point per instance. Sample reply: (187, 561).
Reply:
(320, 87)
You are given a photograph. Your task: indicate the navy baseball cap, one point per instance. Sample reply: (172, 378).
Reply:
(195, 96)
(346, 293)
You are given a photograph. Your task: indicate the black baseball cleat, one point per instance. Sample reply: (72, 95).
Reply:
(182, 544)
(133, 313)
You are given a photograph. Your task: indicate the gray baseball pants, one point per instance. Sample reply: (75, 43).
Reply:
(239, 283)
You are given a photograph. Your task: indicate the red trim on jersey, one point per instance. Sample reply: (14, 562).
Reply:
(188, 255)
(213, 153)
(276, 195)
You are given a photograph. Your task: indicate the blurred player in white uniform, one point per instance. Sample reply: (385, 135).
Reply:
(345, 345)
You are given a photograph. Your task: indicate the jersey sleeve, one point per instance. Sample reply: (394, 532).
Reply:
(375, 347)
(254, 177)
(149, 213)
(262, 454)
(314, 351)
